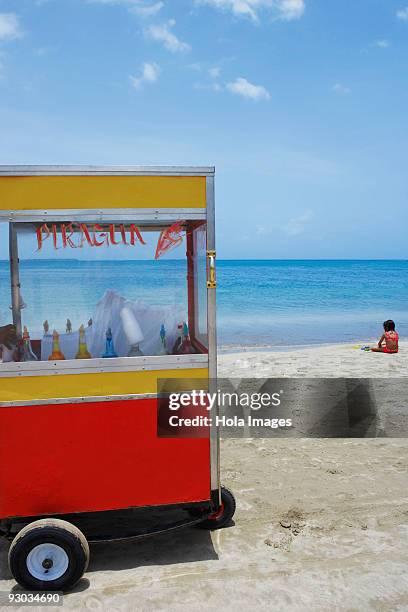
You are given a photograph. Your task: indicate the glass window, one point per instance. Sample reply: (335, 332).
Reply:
(197, 258)
(92, 290)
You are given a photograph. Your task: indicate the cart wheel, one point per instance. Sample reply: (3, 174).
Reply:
(49, 555)
(224, 514)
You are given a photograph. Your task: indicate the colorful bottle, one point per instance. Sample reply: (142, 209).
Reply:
(163, 343)
(186, 347)
(28, 353)
(179, 339)
(56, 354)
(110, 352)
(83, 352)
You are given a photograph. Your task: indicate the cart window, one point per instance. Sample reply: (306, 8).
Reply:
(92, 290)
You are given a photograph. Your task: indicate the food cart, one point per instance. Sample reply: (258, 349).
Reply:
(112, 276)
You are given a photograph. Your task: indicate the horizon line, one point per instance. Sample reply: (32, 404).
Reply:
(218, 259)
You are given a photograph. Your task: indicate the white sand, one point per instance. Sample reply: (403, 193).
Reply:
(320, 524)
(342, 360)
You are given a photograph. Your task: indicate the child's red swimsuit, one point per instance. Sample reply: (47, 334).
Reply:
(391, 339)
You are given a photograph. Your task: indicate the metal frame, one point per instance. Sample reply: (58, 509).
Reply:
(15, 278)
(72, 170)
(93, 366)
(120, 364)
(212, 342)
(91, 399)
(97, 215)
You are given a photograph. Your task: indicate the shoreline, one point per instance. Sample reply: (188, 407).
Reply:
(225, 349)
(324, 361)
(284, 348)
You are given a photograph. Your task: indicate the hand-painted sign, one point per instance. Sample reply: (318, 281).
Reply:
(75, 235)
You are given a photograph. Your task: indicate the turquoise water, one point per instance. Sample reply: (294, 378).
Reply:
(259, 302)
(310, 301)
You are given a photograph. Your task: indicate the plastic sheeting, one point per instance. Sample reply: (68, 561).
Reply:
(107, 314)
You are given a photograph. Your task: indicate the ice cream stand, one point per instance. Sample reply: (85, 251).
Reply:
(113, 288)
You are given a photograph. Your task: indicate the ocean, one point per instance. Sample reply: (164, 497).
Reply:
(259, 303)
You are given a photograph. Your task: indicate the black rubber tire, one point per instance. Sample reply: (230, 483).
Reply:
(49, 531)
(224, 516)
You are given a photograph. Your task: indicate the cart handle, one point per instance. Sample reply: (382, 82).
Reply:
(211, 278)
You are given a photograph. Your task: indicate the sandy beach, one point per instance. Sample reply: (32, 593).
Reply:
(324, 361)
(320, 524)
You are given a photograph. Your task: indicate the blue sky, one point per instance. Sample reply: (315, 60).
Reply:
(300, 104)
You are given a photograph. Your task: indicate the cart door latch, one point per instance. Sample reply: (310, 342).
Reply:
(211, 275)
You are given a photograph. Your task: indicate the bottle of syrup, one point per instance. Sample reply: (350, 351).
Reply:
(163, 343)
(186, 348)
(83, 352)
(28, 353)
(56, 354)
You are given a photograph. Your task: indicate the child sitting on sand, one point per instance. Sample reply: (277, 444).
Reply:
(388, 343)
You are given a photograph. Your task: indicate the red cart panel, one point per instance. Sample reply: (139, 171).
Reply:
(64, 458)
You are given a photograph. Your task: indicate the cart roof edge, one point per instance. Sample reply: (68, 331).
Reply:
(90, 170)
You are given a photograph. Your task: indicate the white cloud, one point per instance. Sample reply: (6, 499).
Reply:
(241, 8)
(147, 10)
(291, 9)
(341, 90)
(403, 14)
(244, 88)
(150, 74)
(297, 225)
(213, 72)
(9, 26)
(138, 7)
(284, 10)
(163, 33)
(211, 76)
(382, 43)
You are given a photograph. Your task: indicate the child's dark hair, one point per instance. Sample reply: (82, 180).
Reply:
(389, 325)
